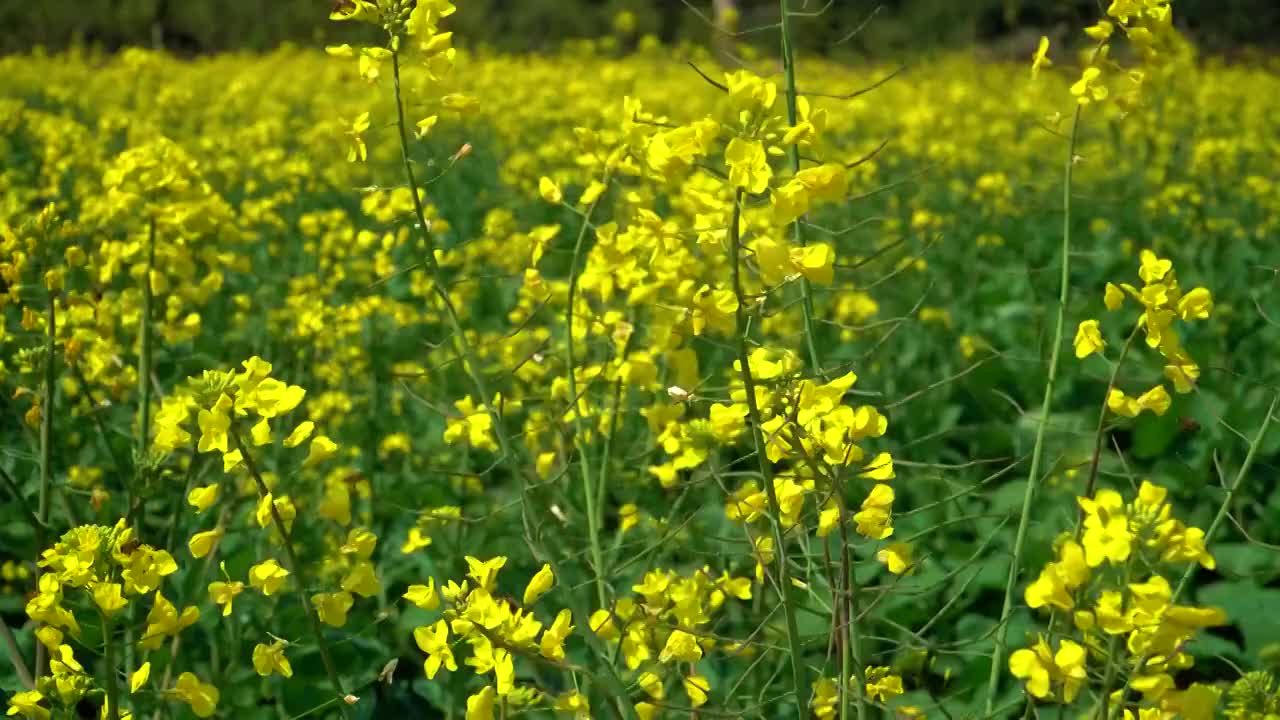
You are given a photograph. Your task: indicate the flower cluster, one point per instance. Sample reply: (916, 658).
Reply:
(1111, 578)
(225, 402)
(498, 630)
(664, 632)
(1162, 301)
(1148, 27)
(107, 572)
(880, 683)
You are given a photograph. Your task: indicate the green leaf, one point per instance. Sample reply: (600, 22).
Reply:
(1250, 608)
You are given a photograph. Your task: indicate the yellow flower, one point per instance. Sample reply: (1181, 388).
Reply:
(480, 705)
(165, 620)
(874, 520)
(1089, 87)
(697, 687)
(592, 193)
(108, 598)
(1041, 57)
(1195, 304)
(300, 434)
(260, 434)
(27, 704)
(1100, 31)
(214, 424)
(551, 645)
(362, 10)
(1088, 339)
(224, 593)
(1153, 268)
(267, 576)
(425, 125)
(539, 584)
(139, 678)
(550, 191)
(816, 262)
(680, 647)
(880, 468)
(1113, 298)
(748, 165)
(203, 498)
(203, 542)
(269, 659)
(1156, 400)
(362, 580)
(1107, 537)
(358, 150)
(322, 448)
(332, 607)
(485, 572)
(628, 517)
(1041, 668)
(434, 641)
(897, 557)
(202, 697)
(882, 684)
(424, 596)
(282, 505)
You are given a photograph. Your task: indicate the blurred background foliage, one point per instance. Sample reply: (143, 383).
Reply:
(901, 26)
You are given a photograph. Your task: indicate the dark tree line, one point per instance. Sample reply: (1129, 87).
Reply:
(193, 26)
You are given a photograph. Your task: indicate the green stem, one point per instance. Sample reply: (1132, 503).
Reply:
(1113, 646)
(295, 567)
(15, 658)
(588, 491)
(402, 126)
(109, 661)
(19, 499)
(793, 155)
(798, 670)
(851, 653)
(144, 351)
(1037, 452)
(1102, 417)
(46, 447)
